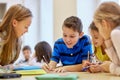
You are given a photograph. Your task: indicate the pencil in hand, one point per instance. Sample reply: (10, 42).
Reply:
(48, 68)
(45, 60)
(87, 66)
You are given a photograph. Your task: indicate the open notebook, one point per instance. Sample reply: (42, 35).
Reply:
(31, 72)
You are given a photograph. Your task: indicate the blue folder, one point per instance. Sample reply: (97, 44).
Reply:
(27, 68)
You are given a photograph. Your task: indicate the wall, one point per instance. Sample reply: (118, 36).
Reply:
(48, 17)
(11, 2)
(33, 35)
(62, 10)
(46, 21)
(85, 10)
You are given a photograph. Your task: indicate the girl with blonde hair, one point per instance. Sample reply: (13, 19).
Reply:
(14, 24)
(107, 20)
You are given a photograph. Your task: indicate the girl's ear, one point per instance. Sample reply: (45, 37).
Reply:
(81, 34)
(14, 22)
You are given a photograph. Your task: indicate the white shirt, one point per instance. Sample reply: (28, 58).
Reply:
(114, 51)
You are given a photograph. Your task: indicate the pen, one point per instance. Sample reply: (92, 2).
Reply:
(85, 68)
(88, 58)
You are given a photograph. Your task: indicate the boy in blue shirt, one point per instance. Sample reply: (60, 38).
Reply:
(72, 50)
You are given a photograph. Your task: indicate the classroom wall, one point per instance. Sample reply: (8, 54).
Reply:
(46, 21)
(109, 0)
(33, 34)
(48, 17)
(62, 10)
(42, 24)
(11, 2)
(85, 11)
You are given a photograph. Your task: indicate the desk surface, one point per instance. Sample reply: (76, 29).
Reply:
(82, 76)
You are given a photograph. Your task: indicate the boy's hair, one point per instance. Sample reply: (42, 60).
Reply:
(108, 11)
(11, 41)
(93, 27)
(43, 49)
(74, 23)
(26, 48)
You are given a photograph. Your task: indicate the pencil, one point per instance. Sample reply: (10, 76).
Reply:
(45, 60)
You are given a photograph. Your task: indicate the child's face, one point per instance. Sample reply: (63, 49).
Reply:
(26, 54)
(70, 37)
(21, 27)
(96, 38)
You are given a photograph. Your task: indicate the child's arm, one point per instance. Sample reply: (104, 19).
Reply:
(70, 68)
(73, 68)
(104, 67)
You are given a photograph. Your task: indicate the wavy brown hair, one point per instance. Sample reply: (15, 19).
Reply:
(12, 45)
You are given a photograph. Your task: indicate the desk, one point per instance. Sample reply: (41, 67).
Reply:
(82, 76)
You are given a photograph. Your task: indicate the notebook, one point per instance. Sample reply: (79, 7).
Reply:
(57, 77)
(9, 75)
(27, 68)
(31, 72)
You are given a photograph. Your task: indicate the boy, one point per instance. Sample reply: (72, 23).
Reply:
(72, 50)
(26, 53)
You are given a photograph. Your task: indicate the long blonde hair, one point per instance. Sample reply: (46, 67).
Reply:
(12, 45)
(108, 11)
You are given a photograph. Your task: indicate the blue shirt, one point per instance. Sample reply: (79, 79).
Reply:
(72, 56)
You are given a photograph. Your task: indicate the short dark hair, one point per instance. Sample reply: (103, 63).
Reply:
(26, 48)
(93, 27)
(74, 23)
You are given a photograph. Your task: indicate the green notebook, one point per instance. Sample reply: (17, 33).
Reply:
(57, 77)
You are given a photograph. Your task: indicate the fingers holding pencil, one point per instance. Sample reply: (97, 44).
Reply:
(46, 66)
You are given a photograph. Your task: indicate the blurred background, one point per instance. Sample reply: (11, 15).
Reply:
(48, 17)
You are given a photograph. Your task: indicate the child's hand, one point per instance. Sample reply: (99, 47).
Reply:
(95, 68)
(85, 63)
(59, 70)
(47, 68)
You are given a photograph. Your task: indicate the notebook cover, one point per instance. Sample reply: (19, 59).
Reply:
(57, 77)
(31, 72)
(27, 68)
(9, 75)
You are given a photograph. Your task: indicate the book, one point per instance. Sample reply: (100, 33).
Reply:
(31, 72)
(27, 68)
(57, 77)
(9, 75)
